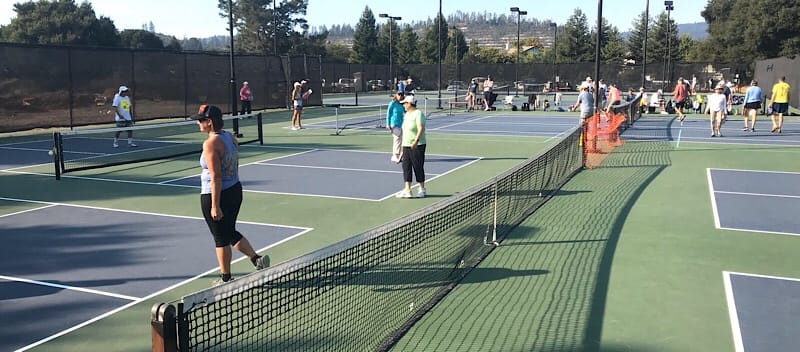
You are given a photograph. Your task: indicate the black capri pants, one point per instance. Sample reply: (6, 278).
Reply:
(414, 158)
(224, 230)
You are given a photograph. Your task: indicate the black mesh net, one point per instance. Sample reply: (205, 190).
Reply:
(363, 293)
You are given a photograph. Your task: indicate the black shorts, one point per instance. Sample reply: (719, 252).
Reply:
(124, 123)
(679, 104)
(224, 230)
(753, 105)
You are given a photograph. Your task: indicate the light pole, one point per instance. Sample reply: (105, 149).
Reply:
(439, 35)
(644, 45)
(555, 53)
(274, 30)
(391, 33)
(669, 7)
(516, 68)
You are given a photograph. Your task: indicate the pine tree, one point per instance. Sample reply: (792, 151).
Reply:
(365, 39)
(635, 42)
(407, 46)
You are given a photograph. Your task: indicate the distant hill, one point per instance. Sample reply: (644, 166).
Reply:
(696, 31)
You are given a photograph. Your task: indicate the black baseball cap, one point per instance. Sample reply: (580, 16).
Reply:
(208, 112)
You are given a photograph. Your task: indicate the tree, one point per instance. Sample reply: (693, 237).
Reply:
(665, 39)
(384, 40)
(574, 42)
(612, 49)
(739, 31)
(487, 55)
(456, 47)
(140, 39)
(429, 49)
(259, 26)
(173, 44)
(338, 53)
(59, 22)
(407, 46)
(365, 39)
(193, 44)
(635, 44)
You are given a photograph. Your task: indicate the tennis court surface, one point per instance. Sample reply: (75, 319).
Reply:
(626, 256)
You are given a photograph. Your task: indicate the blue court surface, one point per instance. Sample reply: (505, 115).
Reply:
(18, 155)
(696, 128)
(504, 123)
(759, 201)
(64, 266)
(334, 173)
(764, 312)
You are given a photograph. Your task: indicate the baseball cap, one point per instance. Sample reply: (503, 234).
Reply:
(208, 112)
(297, 84)
(123, 89)
(245, 83)
(409, 99)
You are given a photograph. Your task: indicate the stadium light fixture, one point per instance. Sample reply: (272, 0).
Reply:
(667, 69)
(391, 33)
(516, 68)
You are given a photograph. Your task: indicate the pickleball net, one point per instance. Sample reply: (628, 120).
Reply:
(359, 117)
(87, 149)
(364, 293)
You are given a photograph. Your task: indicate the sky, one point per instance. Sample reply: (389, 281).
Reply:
(200, 18)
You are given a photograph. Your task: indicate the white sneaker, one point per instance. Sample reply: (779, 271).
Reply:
(294, 128)
(403, 194)
(421, 193)
(131, 144)
(116, 145)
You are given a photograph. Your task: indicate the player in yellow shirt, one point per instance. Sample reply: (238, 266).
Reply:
(780, 103)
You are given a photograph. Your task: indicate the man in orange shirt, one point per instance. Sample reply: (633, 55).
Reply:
(679, 96)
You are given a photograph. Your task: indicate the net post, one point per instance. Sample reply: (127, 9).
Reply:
(236, 127)
(183, 328)
(338, 131)
(494, 228)
(56, 151)
(163, 326)
(259, 121)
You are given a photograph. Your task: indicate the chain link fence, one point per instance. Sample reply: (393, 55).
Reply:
(60, 86)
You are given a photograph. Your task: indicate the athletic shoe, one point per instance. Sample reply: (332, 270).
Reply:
(131, 144)
(403, 194)
(745, 129)
(116, 145)
(294, 128)
(719, 134)
(261, 262)
(713, 135)
(218, 281)
(752, 130)
(421, 193)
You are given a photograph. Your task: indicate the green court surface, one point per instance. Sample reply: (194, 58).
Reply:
(626, 257)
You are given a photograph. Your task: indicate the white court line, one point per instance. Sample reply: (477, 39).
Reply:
(759, 194)
(331, 168)
(435, 177)
(139, 212)
(460, 123)
(252, 163)
(732, 312)
(26, 149)
(713, 198)
(71, 288)
(27, 211)
(143, 299)
(736, 330)
(760, 171)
